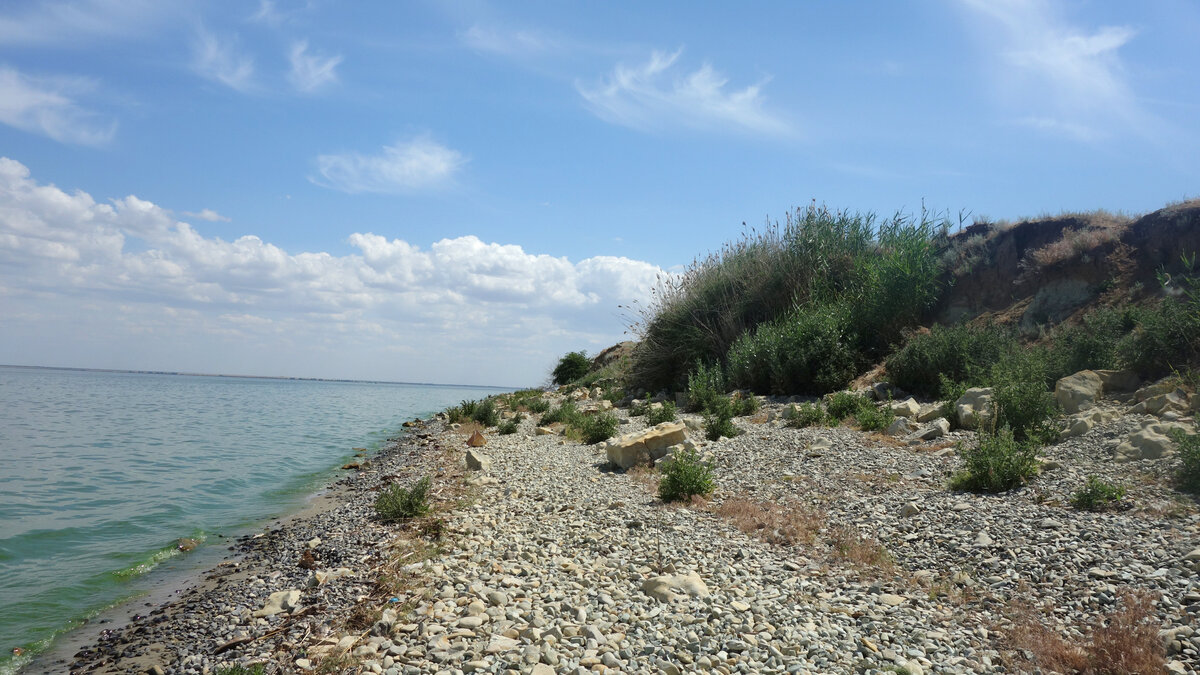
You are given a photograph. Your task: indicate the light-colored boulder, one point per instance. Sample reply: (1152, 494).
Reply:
(1079, 391)
(279, 603)
(973, 406)
(929, 412)
(1118, 380)
(545, 431)
(476, 440)
(1081, 423)
(1153, 441)
(671, 587)
(909, 510)
(645, 447)
(477, 461)
(906, 408)
(900, 426)
(935, 429)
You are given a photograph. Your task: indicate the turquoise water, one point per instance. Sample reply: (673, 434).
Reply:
(104, 472)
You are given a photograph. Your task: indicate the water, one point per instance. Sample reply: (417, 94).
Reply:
(103, 473)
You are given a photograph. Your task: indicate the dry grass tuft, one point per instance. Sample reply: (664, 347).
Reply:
(1126, 641)
(850, 545)
(782, 525)
(1103, 228)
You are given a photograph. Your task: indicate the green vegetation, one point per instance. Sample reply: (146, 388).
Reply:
(594, 428)
(958, 354)
(564, 413)
(847, 280)
(665, 413)
(537, 406)
(998, 463)
(510, 426)
(844, 404)
(706, 384)
(804, 415)
(397, 503)
(871, 417)
(571, 367)
(685, 476)
(1188, 448)
(484, 412)
(718, 419)
(1022, 401)
(256, 669)
(1097, 495)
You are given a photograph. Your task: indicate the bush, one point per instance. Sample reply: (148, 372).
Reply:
(718, 420)
(639, 407)
(685, 476)
(564, 413)
(871, 417)
(537, 406)
(1022, 401)
(706, 384)
(844, 404)
(1167, 337)
(996, 464)
(1188, 448)
(659, 415)
(463, 412)
(1097, 495)
(1090, 344)
(805, 351)
(571, 367)
(397, 503)
(959, 353)
(950, 392)
(745, 405)
(595, 428)
(509, 427)
(485, 412)
(804, 415)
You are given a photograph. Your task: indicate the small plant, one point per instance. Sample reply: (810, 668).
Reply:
(998, 463)
(397, 503)
(706, 384)
(537, 406)
(510, 426)
(718, 421)
(685, 476)
(1097, 495)
(745, 405)
(564, 413)
(463, 412)
(871, 417)
(1188, 448)
(950, 392)
(665, 413)
(255, 669)
(571, 367)
(1125, 641)
(843, 404)
(804, 415)
(640, 407)
(595, 428)
(782, 525)
(485, 412)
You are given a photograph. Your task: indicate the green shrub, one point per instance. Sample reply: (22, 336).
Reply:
(1188, 448)
(571, 367)
(1092, 343)
(485, 412)
(804, 415)
(805, 351)
(1097, 495)
(639, 407)
(706, 384)
(950, 391)
(1021, 398)
(844, 404)
(745, 405)
(463, 412)
(997, 463)
(256, 669)
(871, 417)
(718, 420)
(961, 353)
(1167, 338)
(684, 476)
(659, 415)
(595, 428)
(614, 394)
(397, 503)
(537, 406)
(564, 413)
(510, 426)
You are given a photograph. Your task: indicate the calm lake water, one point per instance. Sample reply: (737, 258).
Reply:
(103, 473)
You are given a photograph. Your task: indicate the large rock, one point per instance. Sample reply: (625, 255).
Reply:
(936, 429)
(668, 588)
(645, 447)
(1118, 380)
(279, 603)
(1079, 391)
(477, 461)
(1153, 441)
(884, 391)
(476, 440)
(973, 406)
(899, 427)
(1085, 421)
(906, 408)
(1175, 400)
(929, 412)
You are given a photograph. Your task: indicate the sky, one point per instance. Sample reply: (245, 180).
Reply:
(461, 192)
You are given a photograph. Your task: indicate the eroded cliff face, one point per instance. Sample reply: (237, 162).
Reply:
(1039, 273)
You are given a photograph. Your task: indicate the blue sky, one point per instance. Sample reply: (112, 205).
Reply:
(460, 192)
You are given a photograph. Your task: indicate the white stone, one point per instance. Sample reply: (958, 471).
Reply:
(1079, 391)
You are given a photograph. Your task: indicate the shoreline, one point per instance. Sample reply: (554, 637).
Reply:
(549, 561)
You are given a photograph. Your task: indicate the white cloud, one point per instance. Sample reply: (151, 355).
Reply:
(311, 72)
(47, 106)
(267, 13)
(1071, 81)
(460, 310)
(67, 23)
(418, 164)
(219, 60)
(505, 42)
(207, 214)
(649, 97)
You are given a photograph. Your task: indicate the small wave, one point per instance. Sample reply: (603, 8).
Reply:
(156, 558)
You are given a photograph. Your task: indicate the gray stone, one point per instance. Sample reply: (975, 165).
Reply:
(477, 461)
(279, 603)
(1079, 391)
(973, 406)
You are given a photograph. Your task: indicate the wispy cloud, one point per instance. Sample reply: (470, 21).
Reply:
(207, 214)
(1072, 81)
(47, 106)
(311, 71)
(219, 60)
(505, 42)
(417, 164)
(653, 96)
(67, 23)
(267, 13)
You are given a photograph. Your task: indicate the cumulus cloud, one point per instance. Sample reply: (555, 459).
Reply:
(311, 71)
(653, 96)
(417, 164)
(48, 106)
(207, 214)
(456, 301)
(1072, 80)
(219, 60)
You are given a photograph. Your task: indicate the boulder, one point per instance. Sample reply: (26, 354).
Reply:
(279, 603)
(884, 391)
(1118, 380)
(929, 412)
(477, 461)
(906, 408)
(936, 429)
(899, 427)
(1153, 441)
(668, 588)
(1084, 422)
(645, 447)
(545, 431)
(974, 405)
(1079, 391)
(1175, 400)
(476, 440)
